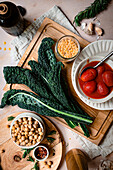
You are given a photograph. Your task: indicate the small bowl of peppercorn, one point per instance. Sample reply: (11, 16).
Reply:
(41, 153)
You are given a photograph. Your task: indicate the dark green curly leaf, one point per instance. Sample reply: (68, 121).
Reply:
(95, 8)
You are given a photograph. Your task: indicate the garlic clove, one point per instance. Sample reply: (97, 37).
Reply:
(90, 29)
(99, 31)
(83, 26)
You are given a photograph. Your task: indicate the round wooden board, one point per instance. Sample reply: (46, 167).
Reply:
(10, 149)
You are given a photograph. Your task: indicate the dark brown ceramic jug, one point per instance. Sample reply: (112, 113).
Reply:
(11, 19)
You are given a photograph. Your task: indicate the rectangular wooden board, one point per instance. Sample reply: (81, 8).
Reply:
(102, 119)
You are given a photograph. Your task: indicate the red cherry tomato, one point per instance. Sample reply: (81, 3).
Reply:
(100, 69)
(102, 88)
(108, 78)
(89, 75)
(89, 87)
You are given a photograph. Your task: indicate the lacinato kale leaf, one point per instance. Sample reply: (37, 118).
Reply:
(52, 79)
(18, 75)
(30, 101)
(46, 45)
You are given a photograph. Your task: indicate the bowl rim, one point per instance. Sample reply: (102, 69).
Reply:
(67, 59)
(42, 147)
(34, 116)
(76, 84)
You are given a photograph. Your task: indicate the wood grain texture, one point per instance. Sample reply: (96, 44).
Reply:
(102, 119)
(11, 149)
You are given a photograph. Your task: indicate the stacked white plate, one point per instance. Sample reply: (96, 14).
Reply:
(97, 50)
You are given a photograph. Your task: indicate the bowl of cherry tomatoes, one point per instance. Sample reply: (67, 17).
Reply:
(95, 85)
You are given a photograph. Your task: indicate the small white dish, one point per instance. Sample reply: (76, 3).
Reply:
(97, 49)
(34, 153)
(77, 87)
(34, 116)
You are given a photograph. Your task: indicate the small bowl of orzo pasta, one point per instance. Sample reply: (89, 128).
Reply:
(67, 48)
(27, 130)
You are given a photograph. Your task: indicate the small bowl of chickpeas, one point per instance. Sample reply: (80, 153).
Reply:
(27, 130)
(67, 48)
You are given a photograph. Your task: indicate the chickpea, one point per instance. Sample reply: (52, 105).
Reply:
(14, 138)
(26, 126)
(18, 129)
(30, 118)
(30, 122)
(16, 122)
(39, 137)
(31, 137)
(16, 134)
(32, 129)
(50, 163)
(26, 136)
(48, 166)
(36, 136)
(30, 133)
(13, 131)
(23, 138)
(26, 133)
(22, 133)
(35, 126)
(36, 131)
(39, 129)
(20, 140)
(22, 127)
(30, 126)
(13, 127)
(41, 133)
(23, 143)
(34, 142)
(29, 144)
(45, 162)
(26, 122)
(26, 141)
(24, 118)
(36, 122)
(13, 135)
(20, 120)
(38, 140)
(16, 125)
(19, 137)
(27, 129)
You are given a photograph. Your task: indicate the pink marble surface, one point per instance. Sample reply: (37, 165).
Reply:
(35, 9)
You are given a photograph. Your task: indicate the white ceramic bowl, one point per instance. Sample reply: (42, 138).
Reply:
(43, 158)
(34, 116)
(76, 85)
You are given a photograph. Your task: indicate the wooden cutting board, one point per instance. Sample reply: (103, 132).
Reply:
(49, 28)
(8, 149)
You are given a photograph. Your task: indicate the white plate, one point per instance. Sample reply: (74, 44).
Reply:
(96, 49)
